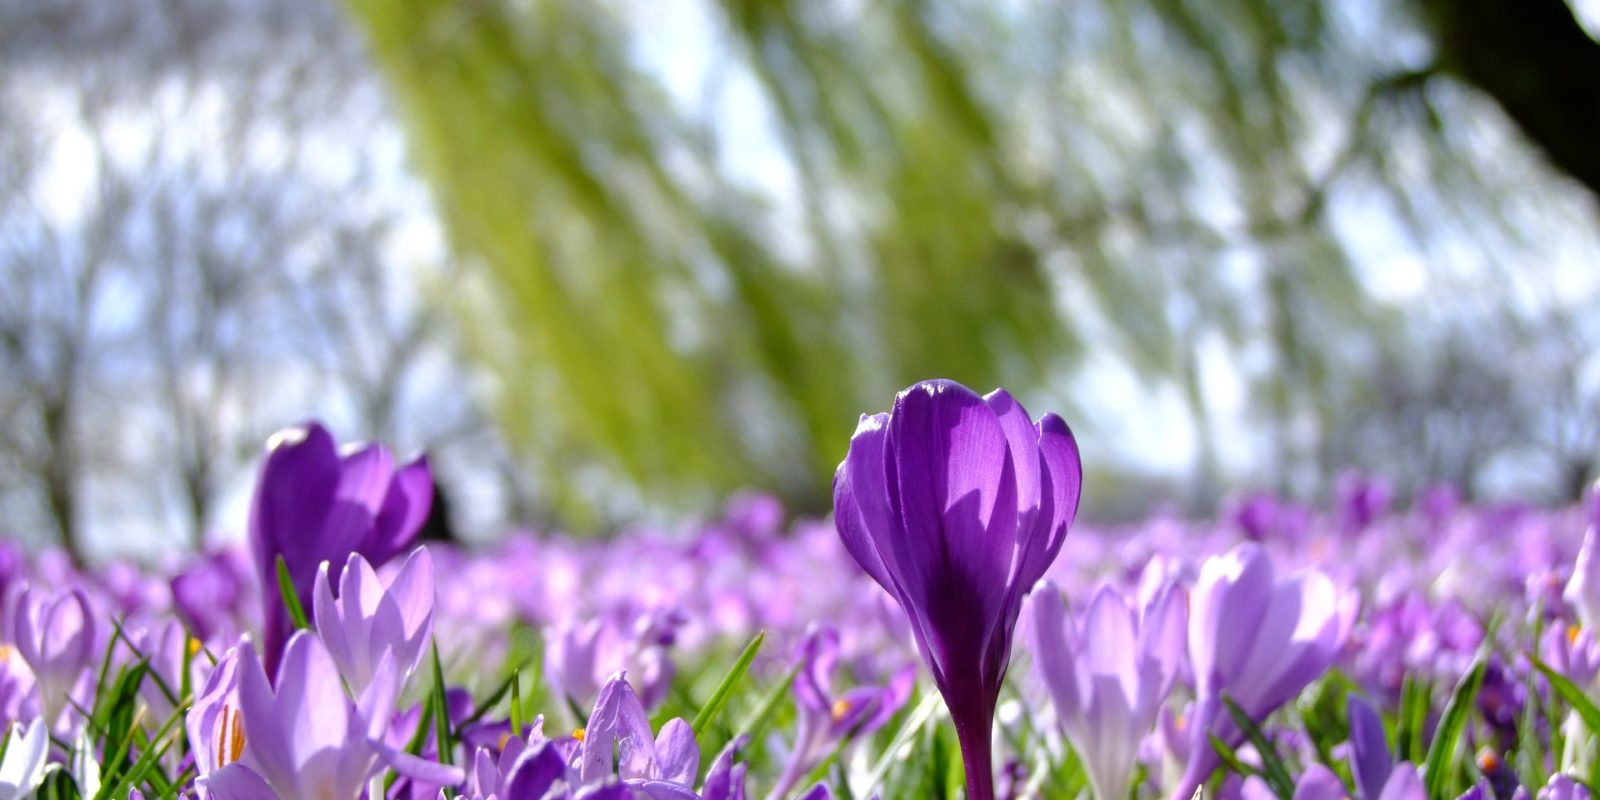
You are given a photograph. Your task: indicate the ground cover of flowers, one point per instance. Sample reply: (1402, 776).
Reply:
(949, 630)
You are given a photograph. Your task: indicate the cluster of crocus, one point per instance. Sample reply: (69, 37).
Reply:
(1371, 651)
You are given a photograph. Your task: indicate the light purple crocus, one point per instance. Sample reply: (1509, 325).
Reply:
(957, 504)
(825, 716)
(313, 504)
(301, 736)
(1571, 651)
(658, 764)
(1108, 674)
(1583, 589)
(55, 635)
(1562, 787)
(1257, 639)
(1316, 783)
(370, 617)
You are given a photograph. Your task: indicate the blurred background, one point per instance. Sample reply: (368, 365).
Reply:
(609, 262)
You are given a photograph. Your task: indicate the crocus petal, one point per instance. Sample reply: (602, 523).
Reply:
(1370, 762)
(861, 498)
(236, 782)
(413, 595)
(534, 772)
(618, 723)
(1319, 783)
(1404, 784)
(1053, 645)
(677, 754)
(268, 742)
(957, 501)
(405, 508)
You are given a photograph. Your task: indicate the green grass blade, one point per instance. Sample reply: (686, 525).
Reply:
(1570, 692)
(1231, 759)
(1451, 725)
(291, 600)
(758, 720)
(1272, 769)
(914, 723)
(708, 713)
(441, 711)
(516, 703)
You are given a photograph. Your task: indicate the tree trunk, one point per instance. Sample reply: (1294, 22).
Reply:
(1538, 63)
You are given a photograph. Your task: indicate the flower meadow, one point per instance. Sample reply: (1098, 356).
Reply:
(949, 631)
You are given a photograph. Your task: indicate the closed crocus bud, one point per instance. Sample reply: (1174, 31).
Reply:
(1258, 639)
(370, 618)
(1583, 589)
(56, 636)
(1108, 674)
(1370, 761)
(957, 504)
(313, 504)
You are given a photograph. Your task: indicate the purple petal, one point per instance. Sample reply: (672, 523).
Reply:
(236, 782)
(267, 740)
(617, 722)
(861, 498)
(1370, 762)
(1403, 784)
(404, 510)
(1053, 646)
(1319, 783)
(957, 496)
(413, 595)
(677, 754)
(534, 772)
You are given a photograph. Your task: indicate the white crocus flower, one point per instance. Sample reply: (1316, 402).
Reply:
(23, 767)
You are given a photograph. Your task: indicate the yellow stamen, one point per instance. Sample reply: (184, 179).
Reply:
(194, 646)
(577, 733)
(5, 653)
(1572, 635)
(229, 740)
(841, 707)
(1488, 762)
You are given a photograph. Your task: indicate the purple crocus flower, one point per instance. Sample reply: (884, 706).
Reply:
(1316, 783)
(370, 618)
(1571, 651)
(1563, 787)
(302, 737)
(313, 504)
(212, 593)
(826, 717)
(1109, 674)
(56, 636)
(1258, 639)
(657, 764)
(1583, 589)
(957, 504)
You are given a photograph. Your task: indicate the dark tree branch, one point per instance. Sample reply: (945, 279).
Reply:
(1538, 63)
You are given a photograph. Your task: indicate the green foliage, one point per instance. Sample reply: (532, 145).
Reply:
(1442, 754)
(977, 193)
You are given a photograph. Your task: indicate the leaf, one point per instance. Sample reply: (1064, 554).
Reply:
(291, 600)
(1272, 768)
(757, 722)
(913, 723)
(441, 711)
(719, 698)
(1451, 726)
